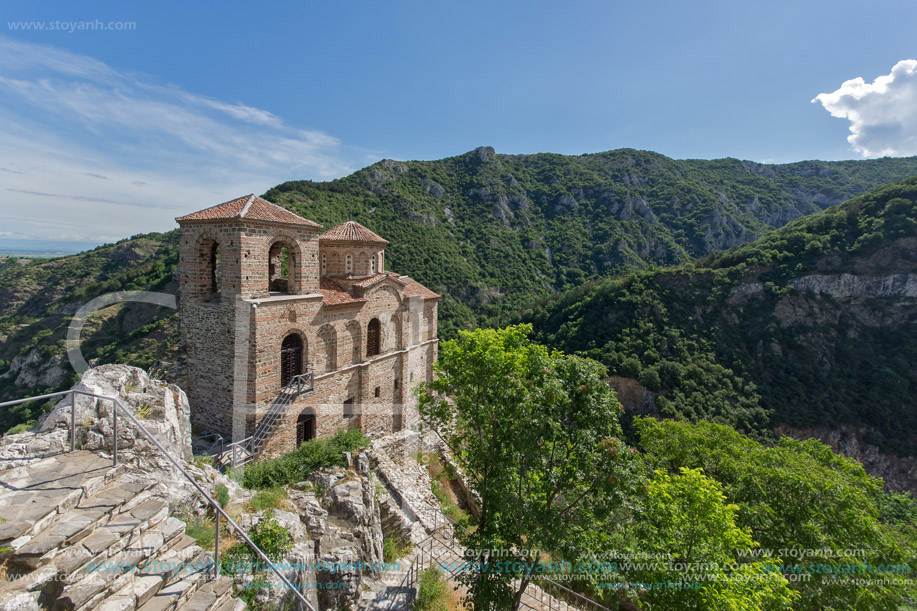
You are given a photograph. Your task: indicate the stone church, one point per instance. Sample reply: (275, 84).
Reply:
(293, 334)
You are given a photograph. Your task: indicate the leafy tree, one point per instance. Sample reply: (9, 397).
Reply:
(686, 517)
(536, 432)
(820, 508)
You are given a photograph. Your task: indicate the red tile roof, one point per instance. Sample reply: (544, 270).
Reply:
(371, 280)
(251, 208)
(413, 288)
(333, 294)
(351, 231)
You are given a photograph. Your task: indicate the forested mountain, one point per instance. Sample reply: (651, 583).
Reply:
(492, 233)
(814, 324)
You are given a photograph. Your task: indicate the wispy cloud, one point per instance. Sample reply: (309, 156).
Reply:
(882, 114)
(120, 153)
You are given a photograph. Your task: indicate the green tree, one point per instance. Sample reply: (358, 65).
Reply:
(820, 508)
(536, 432)
(685, 517)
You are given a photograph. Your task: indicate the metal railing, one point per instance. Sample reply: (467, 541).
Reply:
(245, 450)
(114, 455)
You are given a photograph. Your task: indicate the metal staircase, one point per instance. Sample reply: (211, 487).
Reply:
(246, 450)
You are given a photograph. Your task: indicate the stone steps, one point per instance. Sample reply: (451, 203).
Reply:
(81, 536)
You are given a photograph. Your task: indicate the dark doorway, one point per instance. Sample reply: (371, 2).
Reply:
(305, 428)
(373, 330)
(290, 358)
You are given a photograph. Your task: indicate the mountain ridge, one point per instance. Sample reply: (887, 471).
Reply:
(493, 233)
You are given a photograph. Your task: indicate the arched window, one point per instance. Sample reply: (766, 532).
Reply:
(324, 264)
(349, 264)
(372, 337)
(291, 358)
(372, 264)
(280, 265)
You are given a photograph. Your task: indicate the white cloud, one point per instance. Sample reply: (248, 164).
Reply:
(91, 153)
(882, 114)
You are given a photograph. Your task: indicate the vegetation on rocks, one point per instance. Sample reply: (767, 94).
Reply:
(691, 516)
(738, 338)
(298, 464)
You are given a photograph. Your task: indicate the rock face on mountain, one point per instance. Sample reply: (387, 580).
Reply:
(812, 328)
(899, 473)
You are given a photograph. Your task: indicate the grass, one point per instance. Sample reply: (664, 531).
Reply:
(21, 428)
(269, 498)
(144, 411)
(394, 548)
(202, 460)
(440, 476)
(222, 495)
(434, 593)
(298, 464)
(201, 529)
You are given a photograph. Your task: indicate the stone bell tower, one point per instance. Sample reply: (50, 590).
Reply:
(230, 253)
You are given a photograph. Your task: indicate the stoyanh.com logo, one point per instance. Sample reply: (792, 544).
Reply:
(72, 26)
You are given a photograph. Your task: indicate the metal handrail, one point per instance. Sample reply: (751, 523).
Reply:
(297, 385)
(216, 506)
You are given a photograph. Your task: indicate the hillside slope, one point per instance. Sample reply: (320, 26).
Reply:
(813, 325)
(492, 233)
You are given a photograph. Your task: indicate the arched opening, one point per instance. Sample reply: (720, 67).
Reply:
(280, 264)
(372, 264)
(348, 265)
(305, 427)
(373, 331)
(328, 346)
(356, 341)
(291, 358)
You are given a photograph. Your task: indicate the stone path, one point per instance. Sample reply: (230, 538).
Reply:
(77, 534)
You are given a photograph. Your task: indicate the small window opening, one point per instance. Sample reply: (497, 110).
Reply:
(349, 264)
(348, 407)
(324, 264)
(378, 391)
(372, 264)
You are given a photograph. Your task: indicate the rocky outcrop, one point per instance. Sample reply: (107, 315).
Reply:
(161, 408)
(849, 286)
(899, 473)
(32, 369)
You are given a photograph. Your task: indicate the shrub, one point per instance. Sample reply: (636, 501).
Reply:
(394, 548)
(298, 464)
(270, 537)
(432, 591)
(222, 494)
(270, 498)
(21, 428)
(201, 529)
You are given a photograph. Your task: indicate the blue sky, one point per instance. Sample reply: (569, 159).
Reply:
(105, 134)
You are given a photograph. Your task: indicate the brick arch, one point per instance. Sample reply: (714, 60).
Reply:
(384, 288)
(285, 237)
(206, 280)
(277, 343)
(391, 334)
(355, 331)
(326, 349)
